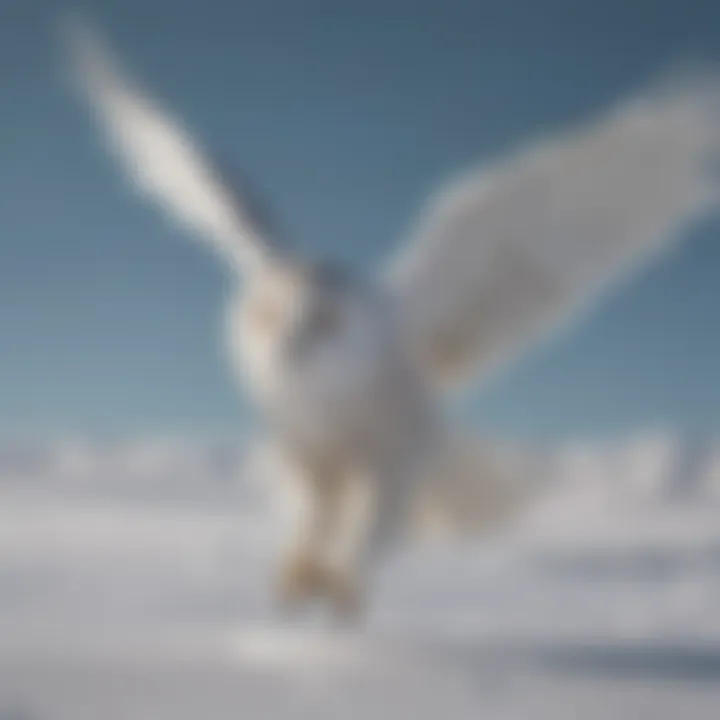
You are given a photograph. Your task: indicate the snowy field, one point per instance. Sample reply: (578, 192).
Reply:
(133, 584)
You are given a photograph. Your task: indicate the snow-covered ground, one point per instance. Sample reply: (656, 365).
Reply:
(134, 577)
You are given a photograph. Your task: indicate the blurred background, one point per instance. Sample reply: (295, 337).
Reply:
(134, 550)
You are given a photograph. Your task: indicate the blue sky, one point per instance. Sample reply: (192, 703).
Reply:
(345, 115)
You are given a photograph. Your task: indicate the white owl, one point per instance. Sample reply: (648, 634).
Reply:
(350, 371)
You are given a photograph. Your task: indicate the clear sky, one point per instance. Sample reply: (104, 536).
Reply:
(345, 115)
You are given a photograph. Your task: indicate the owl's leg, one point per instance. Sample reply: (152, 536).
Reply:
(345, 546)
(368, 516)
(301, 573)
(305, 574)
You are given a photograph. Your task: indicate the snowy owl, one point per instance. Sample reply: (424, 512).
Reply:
(351, 372)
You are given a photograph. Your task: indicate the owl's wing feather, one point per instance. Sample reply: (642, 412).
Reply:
(505, 254)
(162, 160)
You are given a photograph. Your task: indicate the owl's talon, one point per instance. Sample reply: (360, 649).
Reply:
(301, 579)
(344, 596)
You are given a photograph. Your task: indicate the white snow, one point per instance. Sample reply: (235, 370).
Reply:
(134, 583)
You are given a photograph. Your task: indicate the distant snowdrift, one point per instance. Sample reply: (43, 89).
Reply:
(657, 465)
(168, 464)
(612, 492)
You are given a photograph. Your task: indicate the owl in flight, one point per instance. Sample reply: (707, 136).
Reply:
(351, 372)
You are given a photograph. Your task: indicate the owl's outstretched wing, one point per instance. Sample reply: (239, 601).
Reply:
(505, 254)
(162, 160)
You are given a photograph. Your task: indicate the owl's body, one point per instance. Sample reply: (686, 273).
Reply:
(328, 365)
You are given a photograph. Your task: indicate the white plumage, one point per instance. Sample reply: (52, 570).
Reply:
(349, 370)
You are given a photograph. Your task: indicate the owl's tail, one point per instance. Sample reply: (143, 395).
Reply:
(472, 489)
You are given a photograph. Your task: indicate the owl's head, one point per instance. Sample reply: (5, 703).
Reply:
(300, 307)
